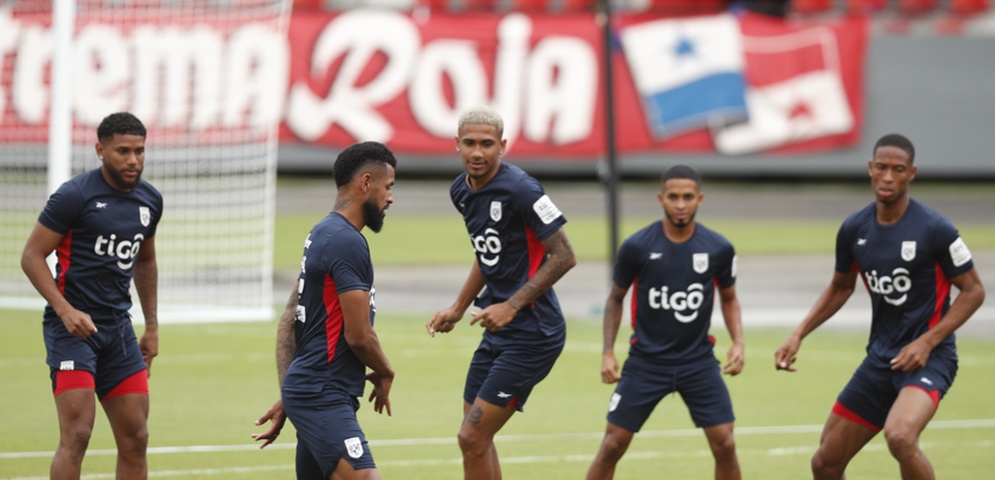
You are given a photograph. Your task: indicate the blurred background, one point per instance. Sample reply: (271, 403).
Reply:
(597, 94)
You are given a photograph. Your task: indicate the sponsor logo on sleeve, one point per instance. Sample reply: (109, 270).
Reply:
(959, 252)
(546, 210)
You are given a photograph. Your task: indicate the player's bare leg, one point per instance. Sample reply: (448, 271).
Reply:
(128, 415)
(481, 421)
(840, 442)
(344, 471)
(614, 445)
(76, 409)
(723, 445)
(912, 410)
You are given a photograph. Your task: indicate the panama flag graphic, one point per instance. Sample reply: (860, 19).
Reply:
(688, 71)
(795, 92)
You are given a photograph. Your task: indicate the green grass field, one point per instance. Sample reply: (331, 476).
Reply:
(211, 381)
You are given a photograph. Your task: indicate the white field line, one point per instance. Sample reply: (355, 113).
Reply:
(984, 445)
(407, 442)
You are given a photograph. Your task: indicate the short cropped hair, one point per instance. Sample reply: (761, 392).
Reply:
(120, 123)
(357, 157)
(482, 114)
(681, 171)
(896, 140)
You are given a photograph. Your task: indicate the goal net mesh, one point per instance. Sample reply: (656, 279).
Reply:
(208, 78)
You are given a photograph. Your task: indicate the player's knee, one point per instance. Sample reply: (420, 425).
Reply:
(612, 449)
(824, 466)
(471, 443)
(135, 443)
(724, 449)
(76, 437)
(901, 441)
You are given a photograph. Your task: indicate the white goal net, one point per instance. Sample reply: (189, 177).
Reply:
(208, 79)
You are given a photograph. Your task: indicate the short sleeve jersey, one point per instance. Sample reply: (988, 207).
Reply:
(336, 260)
(507, 219)
(103, 230)
(673, 287)
(906, 267)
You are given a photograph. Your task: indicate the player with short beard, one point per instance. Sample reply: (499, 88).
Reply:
(675, 267)
(325, 337)
(102, 224)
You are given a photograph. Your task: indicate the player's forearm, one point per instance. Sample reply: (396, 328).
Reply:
(286, 337)
(146, 279)
(561, 260)
(471, 288)
(967, 302)
(830, 302)
(38, 273)
(732, 314)
(612, 320)
(368, 350)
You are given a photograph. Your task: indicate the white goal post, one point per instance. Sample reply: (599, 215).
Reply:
(208, 79)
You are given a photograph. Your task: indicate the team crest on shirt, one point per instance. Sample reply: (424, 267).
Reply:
(496, 211)
(700, 262)
(354, 447)
(908, 250)
(144, 215)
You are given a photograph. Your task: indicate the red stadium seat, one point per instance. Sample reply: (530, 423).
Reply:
(916, 7)
(865, 6)
(968, 7)
(809, 7)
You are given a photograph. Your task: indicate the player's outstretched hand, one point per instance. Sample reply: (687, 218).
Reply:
(736, 360)
(381, 392)
(277, 418)
(443, 321)
(785, 356)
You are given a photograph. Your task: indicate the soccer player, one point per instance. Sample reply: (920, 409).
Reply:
(676, 266)
(521, 251)
(102, 225)
(908, 256)
(325, 337)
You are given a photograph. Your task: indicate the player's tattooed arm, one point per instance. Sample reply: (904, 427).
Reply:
(561, 260)
(286, 336)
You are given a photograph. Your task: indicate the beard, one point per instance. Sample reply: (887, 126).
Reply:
(121, 182)
(374, 215)
(680, 224)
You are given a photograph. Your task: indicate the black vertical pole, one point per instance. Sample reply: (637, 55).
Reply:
(609, 172)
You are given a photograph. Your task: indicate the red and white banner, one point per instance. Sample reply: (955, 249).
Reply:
(335, 79)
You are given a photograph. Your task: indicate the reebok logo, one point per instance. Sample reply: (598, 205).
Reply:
(861, 241)
(101, 205)
(656, 255)
(926, 381)
(503, 395)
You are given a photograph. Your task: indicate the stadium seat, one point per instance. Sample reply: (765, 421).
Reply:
(811, 7)
(967, 7)
(916, 7)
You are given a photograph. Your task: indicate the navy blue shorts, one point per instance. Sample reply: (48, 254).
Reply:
(327, 431)
(643, 385)
(504, 370)
(874, 386)
(111, 355)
